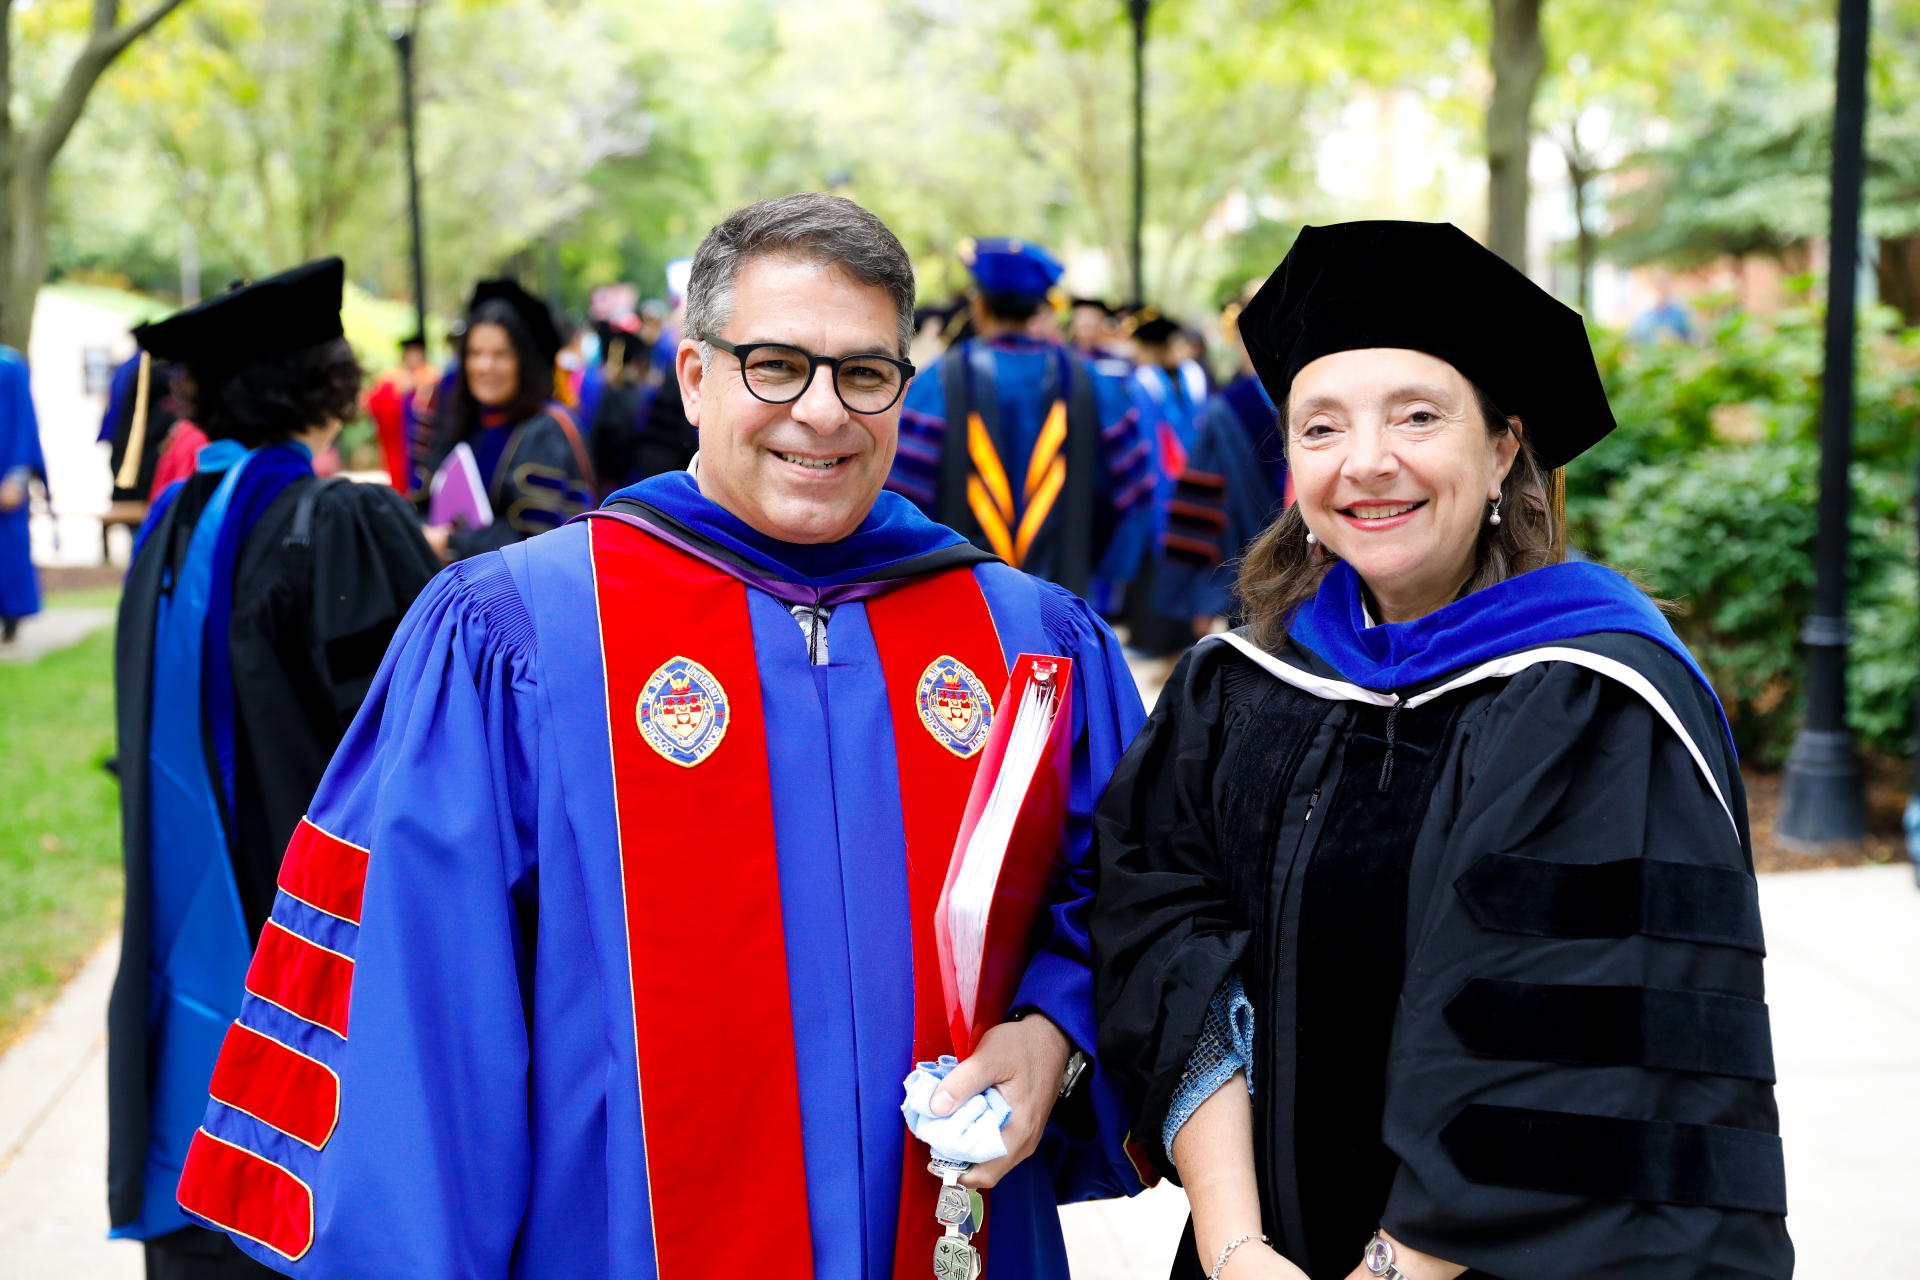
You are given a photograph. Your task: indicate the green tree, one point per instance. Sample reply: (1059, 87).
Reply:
(31, 143)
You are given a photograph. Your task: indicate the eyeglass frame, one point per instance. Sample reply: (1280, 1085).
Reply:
(744, 349)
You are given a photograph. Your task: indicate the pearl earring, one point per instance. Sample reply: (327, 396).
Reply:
(1310, 538)
(1493, 517)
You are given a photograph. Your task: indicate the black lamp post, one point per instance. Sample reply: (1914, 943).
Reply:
(403, 45)
(1137, 10)
(1822, 797)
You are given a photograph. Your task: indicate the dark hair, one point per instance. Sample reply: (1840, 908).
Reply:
(811, 226)
(1281, 571)
(1009, 306)
(530, 396)
(271, 398)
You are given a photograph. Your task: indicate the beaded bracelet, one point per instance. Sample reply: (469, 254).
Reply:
(1227, 1252)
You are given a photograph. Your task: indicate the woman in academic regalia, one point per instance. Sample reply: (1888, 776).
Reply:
(257, 608)
(1427, 940)
(531, 455)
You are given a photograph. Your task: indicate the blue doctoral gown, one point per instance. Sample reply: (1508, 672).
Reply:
(488, 1123)
(19, 455)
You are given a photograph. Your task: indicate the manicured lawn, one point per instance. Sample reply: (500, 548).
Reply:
(60, 880)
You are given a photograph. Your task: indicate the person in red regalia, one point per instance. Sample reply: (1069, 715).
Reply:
(608, 939)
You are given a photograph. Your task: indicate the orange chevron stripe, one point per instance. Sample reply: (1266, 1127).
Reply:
(1053, 434)
(1039, 506)
(991, 521)
(987, 465)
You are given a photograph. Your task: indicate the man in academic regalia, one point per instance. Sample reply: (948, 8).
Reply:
(1233, 486)
(608, 940)
(256, 610)
(20, 464)
(1012, 440)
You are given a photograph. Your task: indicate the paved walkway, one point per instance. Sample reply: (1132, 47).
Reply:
(54, 629)
(1844, 985)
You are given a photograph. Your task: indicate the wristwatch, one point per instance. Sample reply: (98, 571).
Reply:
(1077, 1064)
(1378, 1259)
(1077, 1061)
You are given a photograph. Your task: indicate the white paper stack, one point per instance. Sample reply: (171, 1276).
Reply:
(971, 901)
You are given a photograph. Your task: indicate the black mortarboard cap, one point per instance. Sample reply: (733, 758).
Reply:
(1156, 330)
(535, 314)
(295, 309)
(1428, 286)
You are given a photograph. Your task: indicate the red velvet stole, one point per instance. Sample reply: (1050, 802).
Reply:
(703, 1143)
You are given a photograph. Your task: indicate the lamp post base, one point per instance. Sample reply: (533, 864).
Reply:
(1823, 798)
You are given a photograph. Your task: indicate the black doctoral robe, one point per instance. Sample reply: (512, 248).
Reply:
(320, 584)
(1503, 945)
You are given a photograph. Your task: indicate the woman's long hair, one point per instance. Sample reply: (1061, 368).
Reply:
(530, 396)
(1281, 571)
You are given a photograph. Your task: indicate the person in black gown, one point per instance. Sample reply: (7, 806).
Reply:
(256, 610)
(531, 455)
(1427, 940)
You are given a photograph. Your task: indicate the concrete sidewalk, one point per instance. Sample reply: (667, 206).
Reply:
(54, 629)
(53, 1141)
(1844, 984)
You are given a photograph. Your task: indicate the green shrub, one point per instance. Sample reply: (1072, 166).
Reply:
(1707, 490)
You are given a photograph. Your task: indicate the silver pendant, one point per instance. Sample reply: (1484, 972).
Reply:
(955, 1259)
(955, 1206)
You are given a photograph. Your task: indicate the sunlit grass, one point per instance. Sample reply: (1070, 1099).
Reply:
(60, 876)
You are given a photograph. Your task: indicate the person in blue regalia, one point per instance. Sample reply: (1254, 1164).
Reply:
(257, 607)
(1169, 404)
(20, 465)
(1427, 938)
(608, 940)
(1012, 440)
(1233, 487)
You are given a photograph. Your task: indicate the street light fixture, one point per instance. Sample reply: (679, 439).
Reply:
(1137, 11)
(1822, 797)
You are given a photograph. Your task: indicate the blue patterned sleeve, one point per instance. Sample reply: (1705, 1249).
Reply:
(1225, 1046)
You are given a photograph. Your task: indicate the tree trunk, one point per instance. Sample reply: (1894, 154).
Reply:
(1519, 58)
(1899, 275)
(29, 258)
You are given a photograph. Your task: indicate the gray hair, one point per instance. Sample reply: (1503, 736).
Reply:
(811, 226)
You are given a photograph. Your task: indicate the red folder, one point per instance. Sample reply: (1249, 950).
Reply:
(1018, 917)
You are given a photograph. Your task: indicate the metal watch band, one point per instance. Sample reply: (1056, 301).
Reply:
(1378, 1259)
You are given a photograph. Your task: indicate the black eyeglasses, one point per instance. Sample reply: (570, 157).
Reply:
(779, 374)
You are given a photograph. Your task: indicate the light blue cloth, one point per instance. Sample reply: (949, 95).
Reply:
(1225, 1046)
(971, 1135)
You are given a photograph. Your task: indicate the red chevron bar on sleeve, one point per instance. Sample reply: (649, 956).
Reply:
(277, 1085)
(302, 977)
(247, 1196)
(324, 871)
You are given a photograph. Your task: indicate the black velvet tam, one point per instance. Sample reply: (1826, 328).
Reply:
(535, 314)
(1428, 286)
(295, 309)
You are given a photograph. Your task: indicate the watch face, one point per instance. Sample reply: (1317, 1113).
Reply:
(1378, 1257)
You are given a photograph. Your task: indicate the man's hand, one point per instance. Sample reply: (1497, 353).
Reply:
(1024, 1060)
(438, 536)
(12, 495)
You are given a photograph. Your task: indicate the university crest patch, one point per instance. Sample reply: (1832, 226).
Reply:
(682, 712)
(954, 706)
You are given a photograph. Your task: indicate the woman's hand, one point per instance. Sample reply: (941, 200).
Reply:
(1256, 1261)
(1412, 1263)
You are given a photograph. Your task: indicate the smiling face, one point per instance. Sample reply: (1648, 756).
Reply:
(808, 471)
(491, 364)
(1395, 471)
